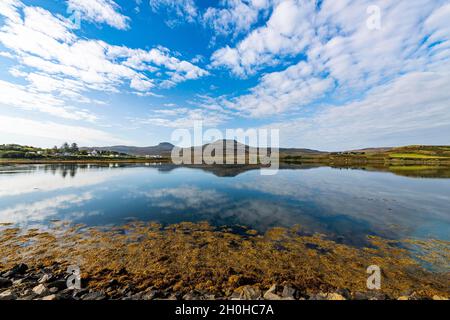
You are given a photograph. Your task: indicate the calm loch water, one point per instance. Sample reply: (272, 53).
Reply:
(347, 205)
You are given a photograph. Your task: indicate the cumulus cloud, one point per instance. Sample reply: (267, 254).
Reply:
(186, 198)
(185, 10)
(96, 63)
(59, 66)
(12, 95)
(412, 109)
(100, 11)
(279, 92)
(339, 56)
(287, 32)
(235, 16)
(43, 209)
(182, 118)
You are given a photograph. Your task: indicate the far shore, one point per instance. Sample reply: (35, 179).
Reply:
(329, 161)
(82, 161)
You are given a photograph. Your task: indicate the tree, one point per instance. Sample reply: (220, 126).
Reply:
(65, 147)
(74, 148)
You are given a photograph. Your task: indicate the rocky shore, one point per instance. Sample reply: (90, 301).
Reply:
(188, 261)
(50, 283)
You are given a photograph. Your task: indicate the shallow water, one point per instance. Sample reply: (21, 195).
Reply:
(345, 204)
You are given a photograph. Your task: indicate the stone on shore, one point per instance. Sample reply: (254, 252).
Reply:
(5, 283)
(7, 295)
(94, 296)
(18, 269)
(288, 293)
(247, 293)
(327, 296)
(40, 290)
(45, 278)
(271, 293)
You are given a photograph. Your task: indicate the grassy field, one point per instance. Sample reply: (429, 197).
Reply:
(415, 156)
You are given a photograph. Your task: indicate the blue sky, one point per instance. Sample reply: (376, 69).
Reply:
(330, 75)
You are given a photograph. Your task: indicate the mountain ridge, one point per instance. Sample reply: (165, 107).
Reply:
(165, 149)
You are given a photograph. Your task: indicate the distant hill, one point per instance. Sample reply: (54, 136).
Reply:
(238, 145)
(373, 150)
(162, 149)
(165, 149)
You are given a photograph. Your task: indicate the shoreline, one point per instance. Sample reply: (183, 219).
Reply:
(52, 283)
(339, 161)
(94, 161)
(146, 261)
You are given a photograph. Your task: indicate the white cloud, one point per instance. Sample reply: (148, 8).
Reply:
(182, 118)
(39, 182)
(182, 9)
(13, 95)
(287, 32)
(9, 9)
(56, 132)
(43, 209)
(413, 109)
(103, 11)
(97, 64)
(65, 67)
(235, 16)
(279, 92)
(187, 197)
(344, 56)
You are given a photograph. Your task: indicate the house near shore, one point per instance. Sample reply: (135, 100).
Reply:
(153, 156)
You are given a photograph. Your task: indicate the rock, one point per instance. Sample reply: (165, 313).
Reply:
(335, 296)
(113, 282)
(345, 293)
(94, 296)
(20, 269)
(7, 295)
(375, 295)
(149, 295)
(27, 297)
(318, 296)
(28, 292)
(137, 296)
(288, 292)
(50, 297)
(436, 297)
(248, 293)
(327, 296)
(60, 284)
(5, 283)
(235, 296)
(192, 296)
(78, 293)
(45, 278)
(53, 290)
(40, 290)
(60, 296)
(271, 295)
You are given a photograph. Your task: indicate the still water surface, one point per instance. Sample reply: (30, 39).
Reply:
(347, 205)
